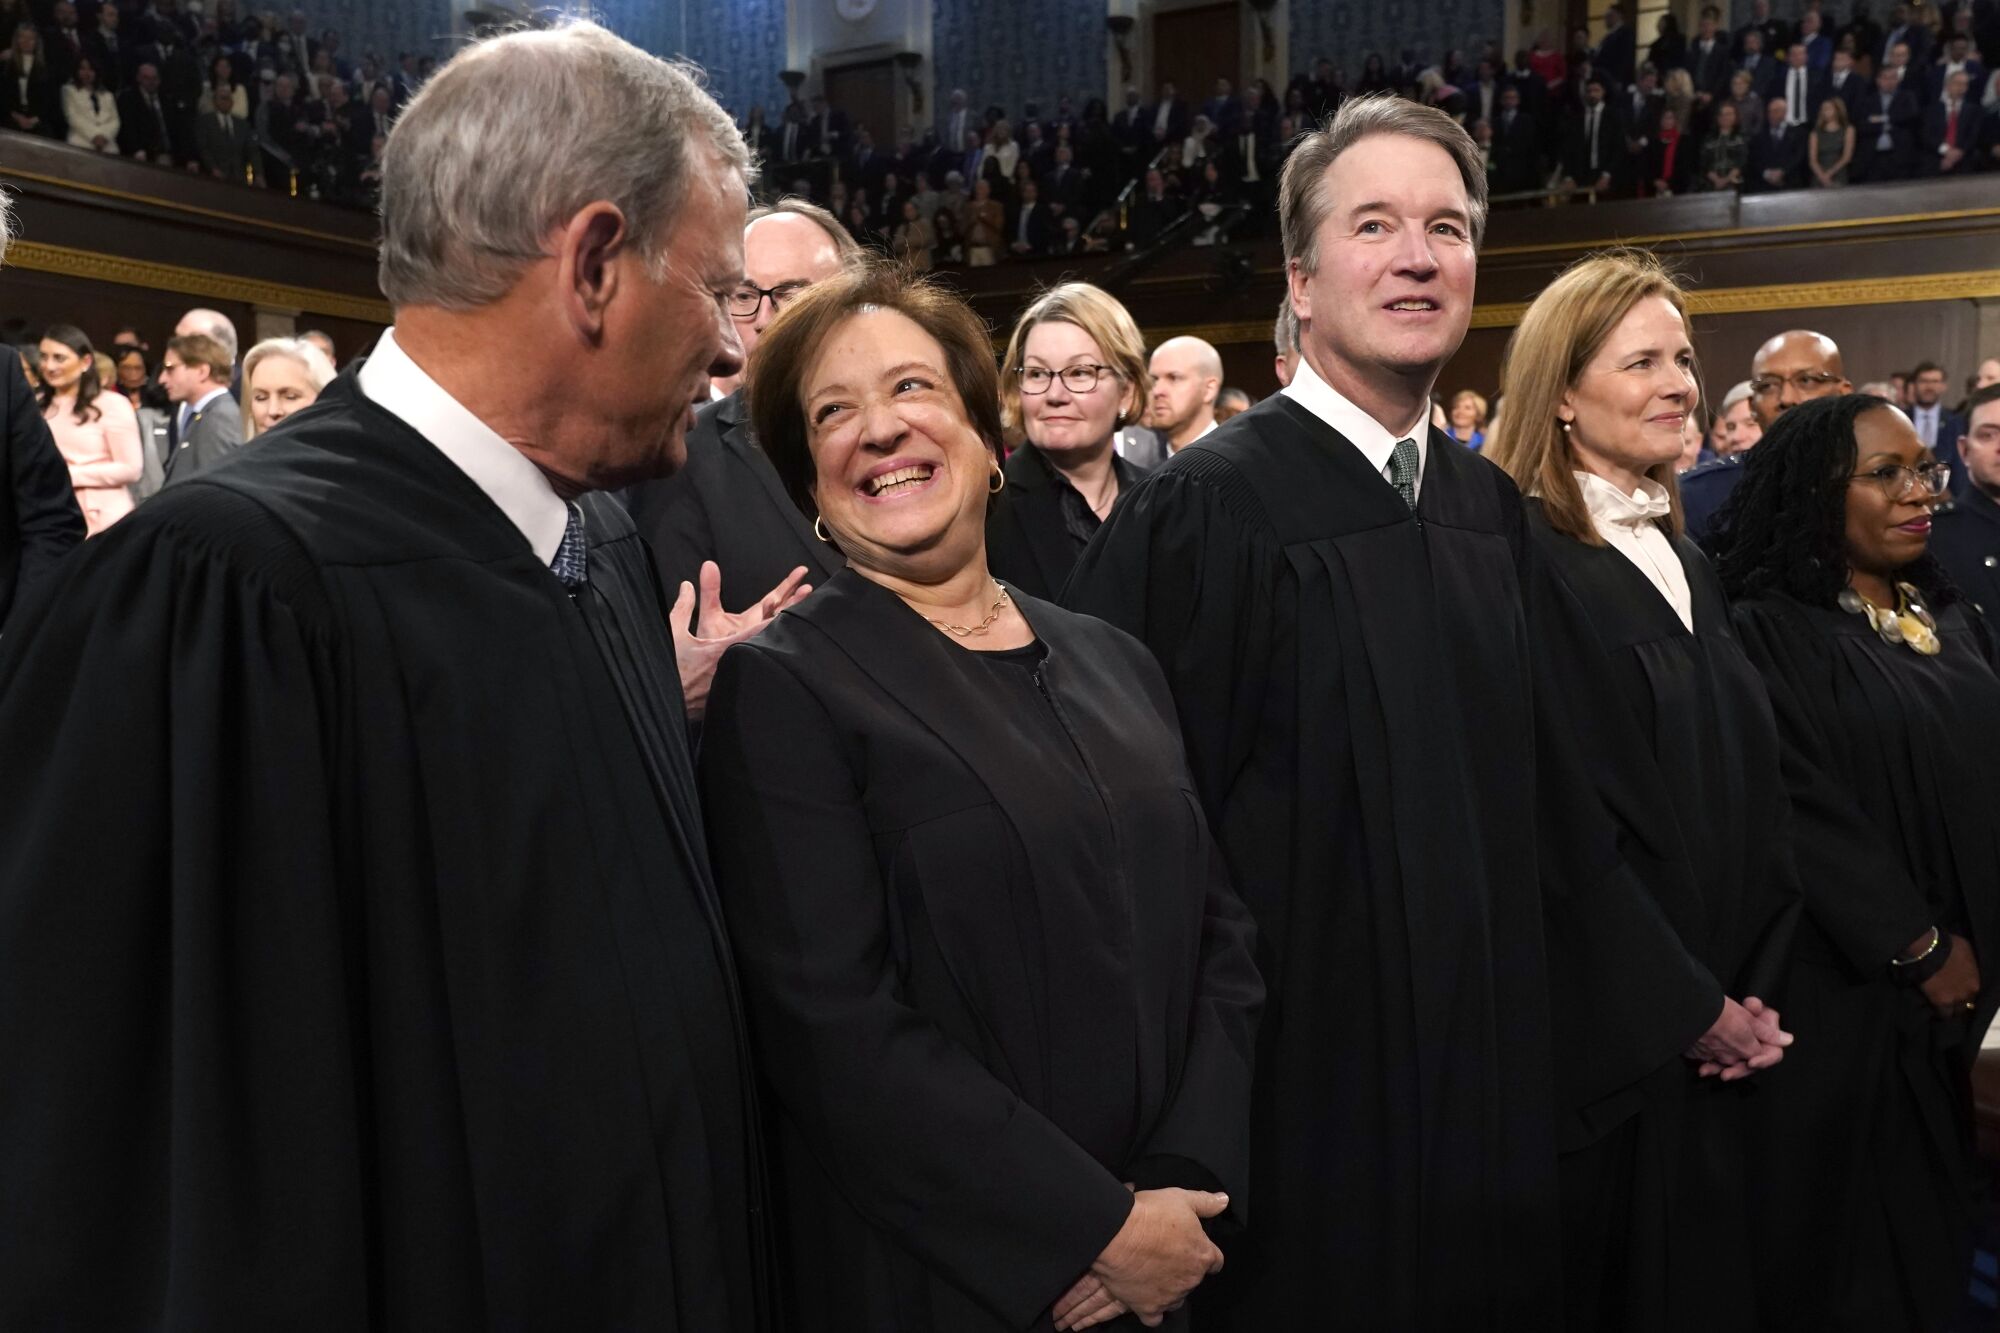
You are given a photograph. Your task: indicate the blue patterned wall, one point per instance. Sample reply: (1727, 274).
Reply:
(1011, 52)
(382, 26)
(1345, 31)
(740, 43)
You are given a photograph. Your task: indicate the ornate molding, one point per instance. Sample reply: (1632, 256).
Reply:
(1650, 240)
(66, 262)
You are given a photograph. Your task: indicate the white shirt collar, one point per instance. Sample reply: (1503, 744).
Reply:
(1376, 442)
(399, 385)
(201, 404)
(1608, 504)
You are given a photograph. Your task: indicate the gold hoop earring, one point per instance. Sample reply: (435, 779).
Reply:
(996, 483)
(819, 530)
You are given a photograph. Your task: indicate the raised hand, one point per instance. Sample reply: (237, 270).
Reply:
(697, 651)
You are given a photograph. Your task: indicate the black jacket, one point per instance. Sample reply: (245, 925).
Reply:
(40, 520)
(1784, 151)
(726, 504)
(1965, 537)
(1027, 542)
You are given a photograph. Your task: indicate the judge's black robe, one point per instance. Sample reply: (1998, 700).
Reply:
(1677, 734)
(1356, 688)
(993, 965)
(360, 955)
(1862, 1198)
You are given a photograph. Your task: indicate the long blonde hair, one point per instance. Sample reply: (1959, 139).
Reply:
(1557, 338)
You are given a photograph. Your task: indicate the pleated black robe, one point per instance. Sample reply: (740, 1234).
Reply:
(1678, 737)
(1357, 691)
(993, 965)
(1863, 1194)
(360, 956)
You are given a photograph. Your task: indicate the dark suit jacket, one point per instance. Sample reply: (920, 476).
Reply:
(1764, 76)
(1971, 126)
(222, 150)
(44, 99)
(39, 521)
(1517, 153)
(726, 504)
(1615, 55)
(1027, 544)
(212, 435)
(1903, 118)
(1965, 537)
(139, 130)
(1710, 72)
(1177, 122)
(1611, 155)
(1784, 151)
(1038, 224)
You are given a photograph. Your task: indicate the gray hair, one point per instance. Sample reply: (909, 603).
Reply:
(6, 223)
(843, 240)
(1303, 203)
(516, 134)
(1285, 333)
(1739, 393)
(216, 325)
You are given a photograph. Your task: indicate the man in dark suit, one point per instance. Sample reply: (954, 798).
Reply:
(826, 129)
(1594, 154)
(726, 503)
(1709, 64)
(1802, 88)
(1063, 179)
(1958, 56)
(1777, 153)
(868, 164)
(1167, 119)
(195, 369)
(1152, 211)
(1774, 33)
(1885, 139)
(1937, 425)
(142, 118)
(1965, 535)
(222, 141)
(1517, 153)
(1952, 130)
(1845, 82)
(1617, 53)
(1905, 29)
(114, 56)
(1763, 70)
(1223, 109)
(39, 520)
(63, 43)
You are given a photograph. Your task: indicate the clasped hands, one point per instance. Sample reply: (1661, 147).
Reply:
(1158, 1257)
(1743, 1039)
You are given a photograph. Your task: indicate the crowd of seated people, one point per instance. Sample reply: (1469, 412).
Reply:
(253, 98)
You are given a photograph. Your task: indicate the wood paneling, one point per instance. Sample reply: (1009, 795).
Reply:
(1192, 48)
(867, 92)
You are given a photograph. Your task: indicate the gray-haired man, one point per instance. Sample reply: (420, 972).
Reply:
(391, 990)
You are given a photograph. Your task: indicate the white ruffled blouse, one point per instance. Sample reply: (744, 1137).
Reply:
(1627, 524)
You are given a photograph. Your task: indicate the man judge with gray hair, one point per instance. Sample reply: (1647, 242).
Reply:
(395, 994)
(1340, 599)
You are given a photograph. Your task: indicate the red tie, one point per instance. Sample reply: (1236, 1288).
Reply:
(1951, 127)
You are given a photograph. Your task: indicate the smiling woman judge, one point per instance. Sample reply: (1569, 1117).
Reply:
(1075, 372)
(1889, 714)
(1673, 725)
(994, 968)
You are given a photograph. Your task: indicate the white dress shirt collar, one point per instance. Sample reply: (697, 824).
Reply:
(201, 404)
(1628, 524)
(399, 386)
(1376, 442)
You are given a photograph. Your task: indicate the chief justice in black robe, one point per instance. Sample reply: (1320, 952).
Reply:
(994, 968)
(1341, 609)
(360, 955)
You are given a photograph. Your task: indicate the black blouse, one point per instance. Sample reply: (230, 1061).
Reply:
(993, 965)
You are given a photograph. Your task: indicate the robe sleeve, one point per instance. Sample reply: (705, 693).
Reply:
(46, 516)
(1184, 567)
(1855, 886)
(178, 1136)
(919, 1136)
(1626, 994)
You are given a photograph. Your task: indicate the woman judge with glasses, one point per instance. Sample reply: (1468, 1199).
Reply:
(1671, 722)
(1075, 371)
(999, 986)
(1888, 712)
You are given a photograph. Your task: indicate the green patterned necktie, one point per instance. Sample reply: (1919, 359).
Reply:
(1403, 472)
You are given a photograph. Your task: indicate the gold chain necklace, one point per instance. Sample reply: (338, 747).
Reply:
(967, 631)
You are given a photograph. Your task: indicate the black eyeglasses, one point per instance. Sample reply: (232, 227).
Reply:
(1077, 379)
(1900, 483)
(1807, 382)
(744, 301)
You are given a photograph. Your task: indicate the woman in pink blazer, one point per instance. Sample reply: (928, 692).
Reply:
(94, 427)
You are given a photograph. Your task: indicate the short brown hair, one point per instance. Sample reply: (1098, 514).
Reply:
(1558, 336)
(198, 349)
(1302, 201)
(787, 349)
(1099, 314)
(843, 240)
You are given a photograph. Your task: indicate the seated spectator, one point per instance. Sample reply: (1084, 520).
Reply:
(1952, 129)
(1152, 211)
(30, 92)
(223, 88)
(1725, 152)
(281, 376)
(95, 428)
(222, 139)
(90, 109)
(1669, 157)
(1031, 231)
(912, 240)
(1777, 153)
(1831, 147)
(1467, 419)
(946, 246)
(984, 220)
(142, 118)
